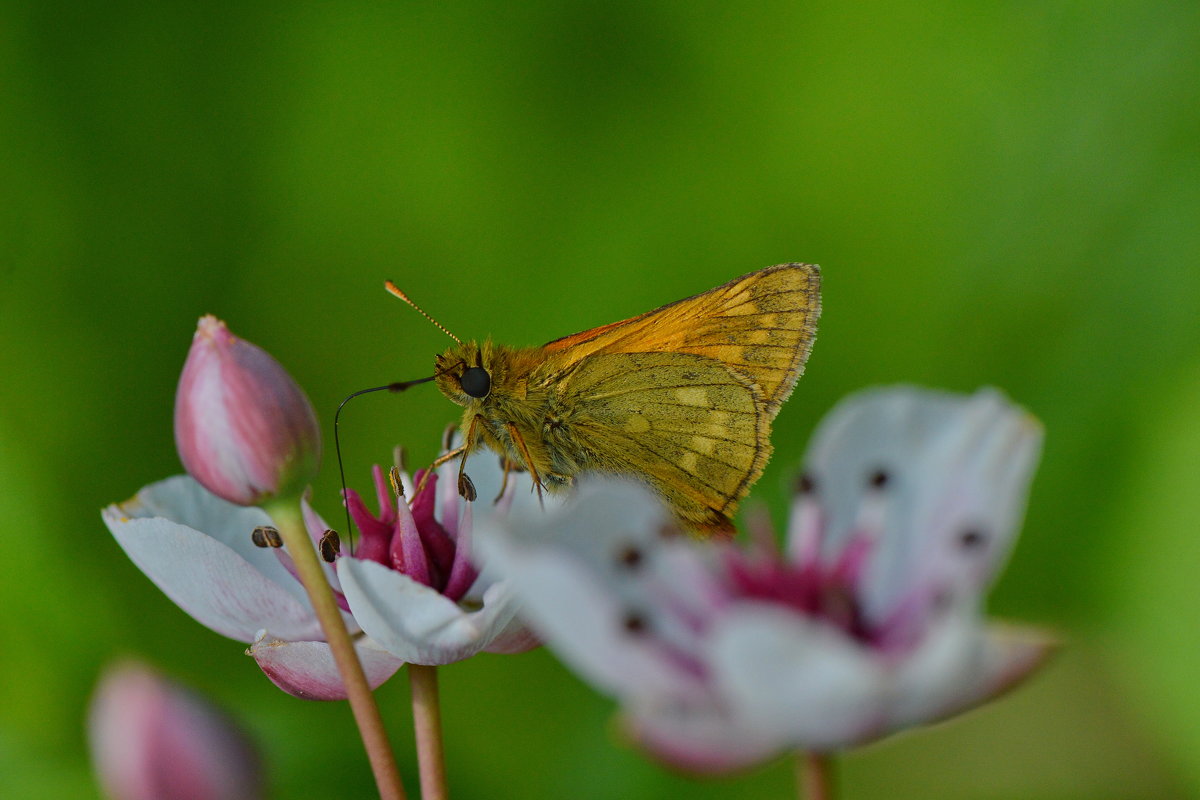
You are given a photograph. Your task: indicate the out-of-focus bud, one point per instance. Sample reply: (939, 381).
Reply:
(154, 740)
(244, 429)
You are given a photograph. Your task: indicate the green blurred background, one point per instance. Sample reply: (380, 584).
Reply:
(998, 193)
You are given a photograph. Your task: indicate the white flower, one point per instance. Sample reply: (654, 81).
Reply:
(870, 622)
(413, 584)
(196, 547)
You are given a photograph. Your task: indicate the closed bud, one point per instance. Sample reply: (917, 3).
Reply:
(244, 429)
(154, 740)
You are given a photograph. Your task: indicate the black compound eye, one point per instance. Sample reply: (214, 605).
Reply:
(476, 381)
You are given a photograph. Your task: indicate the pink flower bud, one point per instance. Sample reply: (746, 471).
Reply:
(243, 428)
(154, 740)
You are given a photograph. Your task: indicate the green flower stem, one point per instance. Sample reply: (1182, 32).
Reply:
(814, 776)
(427, 720)
(288, 519)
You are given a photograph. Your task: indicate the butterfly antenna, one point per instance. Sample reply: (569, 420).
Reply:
(391, 287)
(400, 386)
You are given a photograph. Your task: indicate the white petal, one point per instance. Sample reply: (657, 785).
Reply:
(943, 668)
(954, 463)
(516, 637)
(613, 529)
(581, 594)
(416, 623)
(484, 470)
(796, 679)
(976, 476)
(182, 500)
(699, 739)
(210, 581)
(308, 669)
(1009, 654)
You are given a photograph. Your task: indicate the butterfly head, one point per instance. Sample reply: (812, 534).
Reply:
(464, 372)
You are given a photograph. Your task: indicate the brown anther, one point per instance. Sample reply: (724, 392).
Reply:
(634, 623)
(878, 479)
(807, 484)
(972, 539)
(330, 546)
(630, 557)
(397, 484)
(266, 536)
(466, 488)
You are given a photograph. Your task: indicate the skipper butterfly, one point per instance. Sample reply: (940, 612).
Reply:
(681, 397)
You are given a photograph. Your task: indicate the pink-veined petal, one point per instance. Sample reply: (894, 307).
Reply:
(697, 739)
(317, 526)
(1009, 655)
(308, 670)
(514, 638)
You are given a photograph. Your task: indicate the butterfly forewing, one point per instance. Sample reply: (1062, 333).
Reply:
(761, 324)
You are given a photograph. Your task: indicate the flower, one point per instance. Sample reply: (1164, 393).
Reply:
(197, 548)
(869, 622)
(243, 428)
(152, 739)
(412, 583)
(411, 587)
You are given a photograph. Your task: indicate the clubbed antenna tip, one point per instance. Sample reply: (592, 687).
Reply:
(395, 290)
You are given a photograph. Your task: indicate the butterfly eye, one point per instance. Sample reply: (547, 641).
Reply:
(476, 381)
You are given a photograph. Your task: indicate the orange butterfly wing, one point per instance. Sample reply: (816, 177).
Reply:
(760, 325)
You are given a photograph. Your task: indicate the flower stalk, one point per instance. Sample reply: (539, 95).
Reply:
(814, 775)
(288, 518)
(427, 722)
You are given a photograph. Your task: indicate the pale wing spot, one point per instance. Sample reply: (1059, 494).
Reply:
(719, 418)
(760, 336)
(688, 460)
(636, 423)
(703, 445)
(692, 395)
(720, 431)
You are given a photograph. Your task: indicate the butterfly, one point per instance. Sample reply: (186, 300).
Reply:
(681, 397)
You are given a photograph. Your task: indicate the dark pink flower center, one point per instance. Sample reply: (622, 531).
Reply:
(409, 538)
(825, 591)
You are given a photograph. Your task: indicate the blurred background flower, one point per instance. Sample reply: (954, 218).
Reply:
(722, 655)
(152, 739)
(999, 194)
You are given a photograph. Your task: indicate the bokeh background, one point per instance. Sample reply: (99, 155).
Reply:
(1001, 193)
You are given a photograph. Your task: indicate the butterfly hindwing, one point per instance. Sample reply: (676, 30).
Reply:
(695, 427)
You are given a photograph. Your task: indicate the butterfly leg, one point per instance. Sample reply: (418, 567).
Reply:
(461, 450)
(466, 488)
(508, 464)
(519, 441)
